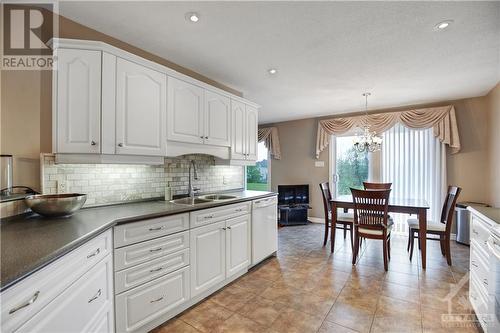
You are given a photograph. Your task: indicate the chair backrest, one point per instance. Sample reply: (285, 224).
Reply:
(370, 208)
(326, 194)
(377, 186)
(449, 206)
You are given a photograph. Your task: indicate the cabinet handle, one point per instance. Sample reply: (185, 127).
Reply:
(93, 143)
(156, 229)
(223, 228)
(474, 231)
(155, 250)
(95, 297)
(93, 254)
(156, 270)
(206, 137)
(229, 227)
(156, 300)
(208, 216)
(473, 263)
(485, 281)
(239, 209)
(201, 137)
(120, 144)
(28, 303)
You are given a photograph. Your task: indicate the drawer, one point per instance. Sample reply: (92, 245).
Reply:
(43, 286)
(136, 254)
(135, 232)
(480, 231)
(479, 304)
(139, 306)
(479, 268)
(79, 306)
(207, 216)
(134, 276)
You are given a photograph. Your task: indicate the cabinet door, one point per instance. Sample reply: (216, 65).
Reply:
(78, 112)
(238, 144)
(140, 109)
(208, 254)
(185, 112)
(237, 244)
(251, 133)
(217, 119)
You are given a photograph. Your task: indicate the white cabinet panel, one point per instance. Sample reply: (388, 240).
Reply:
(185, 112)
(78, 101)
(237, 244)
(238, 144)
(251, 133)
(208, 255)
(140, 109)
(217, 119)
(79, 306)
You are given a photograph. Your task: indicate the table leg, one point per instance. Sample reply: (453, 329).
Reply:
(422, 237)
(333, 226)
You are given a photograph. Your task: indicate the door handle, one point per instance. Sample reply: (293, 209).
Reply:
(95, 297)
(28, 303)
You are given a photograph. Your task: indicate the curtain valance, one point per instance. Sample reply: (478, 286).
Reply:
(441, 119)
(269, 135)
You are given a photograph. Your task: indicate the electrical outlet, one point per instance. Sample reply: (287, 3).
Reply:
(62, 186)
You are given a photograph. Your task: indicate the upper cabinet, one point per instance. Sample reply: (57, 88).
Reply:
(141, 102)
(78, 102)
(244, 135)
(197, 115)
(111, 106)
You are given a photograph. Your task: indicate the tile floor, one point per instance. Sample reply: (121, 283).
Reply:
(306, 289)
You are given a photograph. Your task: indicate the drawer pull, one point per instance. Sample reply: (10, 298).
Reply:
(224, 228)
(239, 209)
(473, 263)
(156, 270)
(208, 216)
(155, 250)
(474, 231)
(156, 300)
(93, 254)
(229, 227)
(485, 281)
(28, 303)
(155, 229)
(95, 297)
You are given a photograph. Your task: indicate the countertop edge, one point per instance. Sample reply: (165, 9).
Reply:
(484, 215)
(79, 241)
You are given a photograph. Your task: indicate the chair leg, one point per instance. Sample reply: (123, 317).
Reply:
(448, 250)
(389, 248)
(418, 243)
(409, 237)
(412, 241)
(385, 255)
(345, 231)
(351, 233)
(325, 239)
(356, 249)
(361, 242)
(442, 243)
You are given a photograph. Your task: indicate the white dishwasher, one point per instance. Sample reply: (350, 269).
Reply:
(264, 228)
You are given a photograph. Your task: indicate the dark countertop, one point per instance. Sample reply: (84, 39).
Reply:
(492, 213)
(30, 242)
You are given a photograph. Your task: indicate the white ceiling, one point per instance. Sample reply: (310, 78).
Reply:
(327, 53)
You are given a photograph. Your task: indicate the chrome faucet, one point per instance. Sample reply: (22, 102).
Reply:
(191, 189)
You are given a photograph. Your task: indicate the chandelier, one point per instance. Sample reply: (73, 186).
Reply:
(369, 141)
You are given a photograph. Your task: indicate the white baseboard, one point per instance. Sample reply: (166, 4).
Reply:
(316, 219)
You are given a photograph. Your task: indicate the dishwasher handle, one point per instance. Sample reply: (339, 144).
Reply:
(264, 202)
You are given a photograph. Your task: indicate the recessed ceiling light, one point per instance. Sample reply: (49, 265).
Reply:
(443, 25)
(193, 17)
(272, 71)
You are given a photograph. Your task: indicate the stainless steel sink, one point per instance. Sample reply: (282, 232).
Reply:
(218, 197)
(190, 201)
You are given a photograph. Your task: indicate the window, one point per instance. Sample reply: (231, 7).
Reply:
(351, 168)
(259, 175)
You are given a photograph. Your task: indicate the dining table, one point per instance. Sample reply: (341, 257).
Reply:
(419, 207)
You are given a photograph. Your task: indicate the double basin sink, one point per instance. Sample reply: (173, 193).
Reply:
(203, 199)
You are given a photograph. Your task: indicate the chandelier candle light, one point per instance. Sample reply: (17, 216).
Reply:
(368, 141)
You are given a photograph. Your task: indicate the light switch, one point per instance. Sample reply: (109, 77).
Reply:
(319, 164)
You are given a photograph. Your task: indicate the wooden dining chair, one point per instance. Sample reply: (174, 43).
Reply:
(377, 186)
(371, 220)
(344, 220)
(442, 228)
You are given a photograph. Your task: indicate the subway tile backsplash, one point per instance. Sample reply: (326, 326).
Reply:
(116, 183)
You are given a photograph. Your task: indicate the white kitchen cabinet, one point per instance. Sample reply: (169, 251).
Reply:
(208, 257)
(78, 101)
(80, 307)
(237, 244)
(217, 119)
(244, 132)
(141, 106)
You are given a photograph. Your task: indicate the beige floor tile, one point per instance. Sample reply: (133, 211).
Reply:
(328, 327)
(351, 315)
(206, 317)
(293, 321)
(240, 324)
(175, 326)
(262, 310)
(401, 292)
(232, 297)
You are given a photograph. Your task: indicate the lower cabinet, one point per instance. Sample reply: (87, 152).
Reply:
(219, 251)
(139, 306)
(86, 306)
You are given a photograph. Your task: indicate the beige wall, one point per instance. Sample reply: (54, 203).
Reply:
(26, 105)
(468, 169)
(494, 145)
